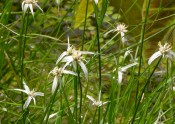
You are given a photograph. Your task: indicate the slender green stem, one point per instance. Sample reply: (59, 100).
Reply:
(99, 54)
(22, 45)
(76, 97)
(118, 99)
(69, 111)
(60, 113)
(143, 90)
(94, 116)
(49, 107)
(170, 86)
(141, 49)
(20, 59)
(98, 25)
(105, 114)
(112, 103)
(87, 1)
(81, 94)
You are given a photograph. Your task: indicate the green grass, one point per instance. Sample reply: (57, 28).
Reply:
(30, 47)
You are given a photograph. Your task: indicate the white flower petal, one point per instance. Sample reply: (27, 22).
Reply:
(67, 59)
(122, 34)
(86, 52)
(69, 72)
(99, 96)
(34, 100)
(168, 55)
(124, 39)
(68, 43)
(108, 32)
(104, 103)
(61, 57)
(22, 90)
(172, 53)
(91, 98)
(27, 102)
(173, 88)
(38, 94)
(55, 83)
(25, 8)
(23, 5)
(26, 87)
(96, 1)
(120, 76)
(83, 68)
(128, 66)
(31, 9)
(154, 56)
(68, 63)
(52, 115)
(39, 7)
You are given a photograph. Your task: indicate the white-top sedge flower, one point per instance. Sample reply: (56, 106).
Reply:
(121, 70)
(121, 29)
(129, 53)
(69, 51)
(31, 95)
(97, 103)
(164, 51)
(58, 72)
(29, 4)
(77, 58)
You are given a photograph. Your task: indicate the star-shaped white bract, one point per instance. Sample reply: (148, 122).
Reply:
(97, 103)
(121, 70)
(31, 95)
(164, 51)
(71, 55)
(69, 51)
(58, 72)
(120, 29)
(29, 4)
(129, 53)
(77, 58)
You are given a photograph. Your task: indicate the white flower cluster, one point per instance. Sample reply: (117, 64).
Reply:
(164, 51)
(31, 94)
(29, 4)
(71, 57)
(121, 29)
(75, 58)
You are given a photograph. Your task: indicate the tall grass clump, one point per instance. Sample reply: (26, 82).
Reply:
(87, 62)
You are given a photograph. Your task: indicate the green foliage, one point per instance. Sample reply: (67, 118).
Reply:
(30, 47)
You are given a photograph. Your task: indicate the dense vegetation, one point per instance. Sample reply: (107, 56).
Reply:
(87, 61)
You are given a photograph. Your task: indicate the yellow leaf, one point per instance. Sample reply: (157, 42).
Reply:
(81, 12)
